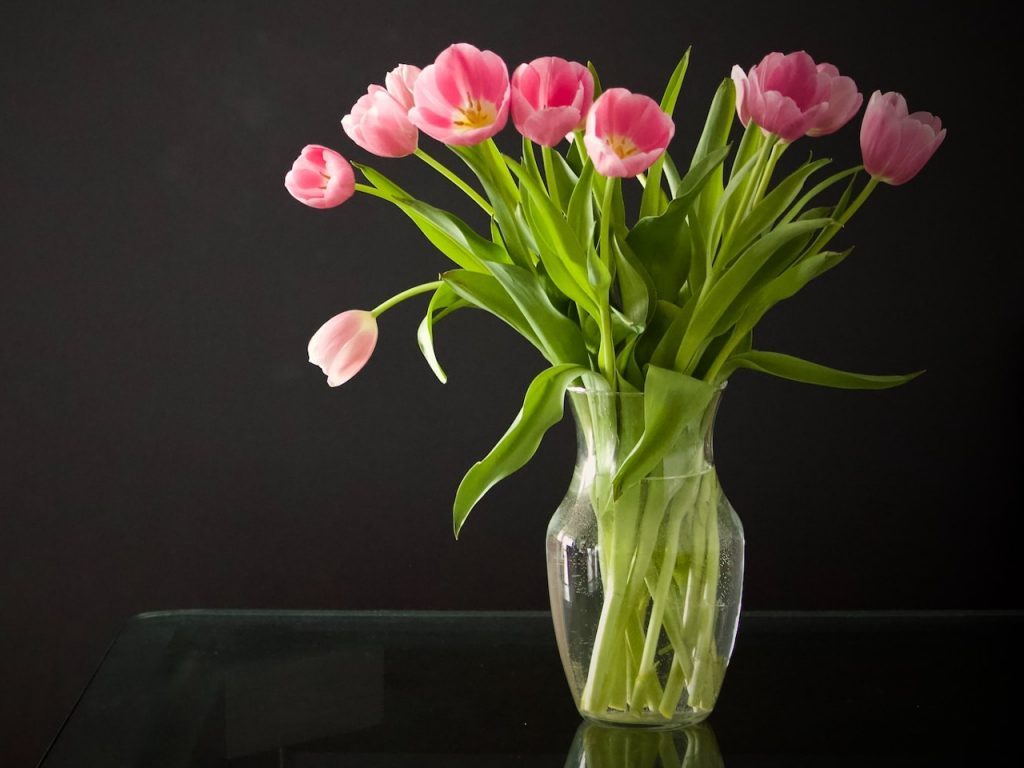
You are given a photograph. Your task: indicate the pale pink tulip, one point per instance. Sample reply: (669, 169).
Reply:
(400, 81)
(550, 98)
(320, 178)
(896, 145)
(626, 133)
(843, 103)
(343, 345)
(380, 124)
(790, 96)
(462, 98)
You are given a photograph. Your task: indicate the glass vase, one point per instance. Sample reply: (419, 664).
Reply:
(645, 581)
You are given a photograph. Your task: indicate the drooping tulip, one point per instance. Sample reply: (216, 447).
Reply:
(380, 124)
(626, 132)
(550, 98)
(320, 178)
(343, 345)
(790, 96)
(896, 144)
(463, 97)
(400, 82)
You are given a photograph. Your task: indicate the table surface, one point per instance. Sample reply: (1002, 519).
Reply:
(426, 689)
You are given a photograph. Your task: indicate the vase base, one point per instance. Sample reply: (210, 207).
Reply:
(629, 720)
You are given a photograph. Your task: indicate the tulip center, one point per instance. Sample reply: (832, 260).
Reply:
(622, 146)
(475, 113)
(326, 179)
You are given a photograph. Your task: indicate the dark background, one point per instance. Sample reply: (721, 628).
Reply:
(166, 444)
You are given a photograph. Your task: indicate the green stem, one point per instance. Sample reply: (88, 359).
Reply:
(551, 178)
(833, 230)
(398, 298)
(502, 174)
(606, 352)
(766, 176)
(449, 174)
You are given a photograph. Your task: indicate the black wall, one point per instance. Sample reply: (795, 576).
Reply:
(164, 443)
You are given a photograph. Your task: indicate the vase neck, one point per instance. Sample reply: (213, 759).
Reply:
(609, 426)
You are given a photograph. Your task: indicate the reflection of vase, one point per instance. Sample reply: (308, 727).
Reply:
(598, 746)
(645, 588)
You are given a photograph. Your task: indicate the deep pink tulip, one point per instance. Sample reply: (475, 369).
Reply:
(790, 96)
(343, 345)
(550, 98)
(380, 124)
(626, 133)
(896, 145)
(320, 178)
(462, 98)
(400, 81)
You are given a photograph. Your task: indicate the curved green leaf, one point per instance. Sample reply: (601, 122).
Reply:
(442, 303)
(542, 408)
(671, 401)
(650, 203)
(485, 292)
(806, 372)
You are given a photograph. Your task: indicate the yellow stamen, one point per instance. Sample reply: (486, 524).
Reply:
(622, 146)
(476, 113)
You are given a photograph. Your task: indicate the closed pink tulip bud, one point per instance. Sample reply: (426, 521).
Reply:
(626, 133)
(380, 124)
(550, 98)
(400, 81)
(320, 178)
(343, 345)
(462, 98)
(896, 145)
(790, 96)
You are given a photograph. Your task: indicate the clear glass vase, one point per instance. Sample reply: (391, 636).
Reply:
(645, 588)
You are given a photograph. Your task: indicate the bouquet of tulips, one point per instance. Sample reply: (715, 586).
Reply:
(660, 297)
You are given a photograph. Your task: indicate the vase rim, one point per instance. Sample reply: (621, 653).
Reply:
(578, 390)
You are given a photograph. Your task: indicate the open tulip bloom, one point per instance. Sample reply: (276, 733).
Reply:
(661, 300)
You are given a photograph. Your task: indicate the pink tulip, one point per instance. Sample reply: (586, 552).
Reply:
(380, 124)
(320, 178)
(896, 145)
(343, 345)
(626, 133)
(550, 98)
(843, 103)
(462, 98)
(790, 96)
(400, 81)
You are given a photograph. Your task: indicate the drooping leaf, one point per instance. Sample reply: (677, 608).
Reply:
(806, 372)
(671, 401)
(442, 303)
(542, 408)
(559, 335)
(485, 292)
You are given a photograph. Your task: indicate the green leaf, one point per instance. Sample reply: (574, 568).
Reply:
(559, 335)
(581, 207)
(636, 288)
(485, 292)
(806, 372)
(442, 303)
(564, 258)
(714, 136)
(597, 80)
(816, 190)
(671, 401)
(719, 298)
(448, 233)
(671, 175)
(542, 408)
(561, 178)
(651, 200)
(765, 213)
(530, 161)
(662, 243)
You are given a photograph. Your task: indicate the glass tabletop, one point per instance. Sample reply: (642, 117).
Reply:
(425, 689)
